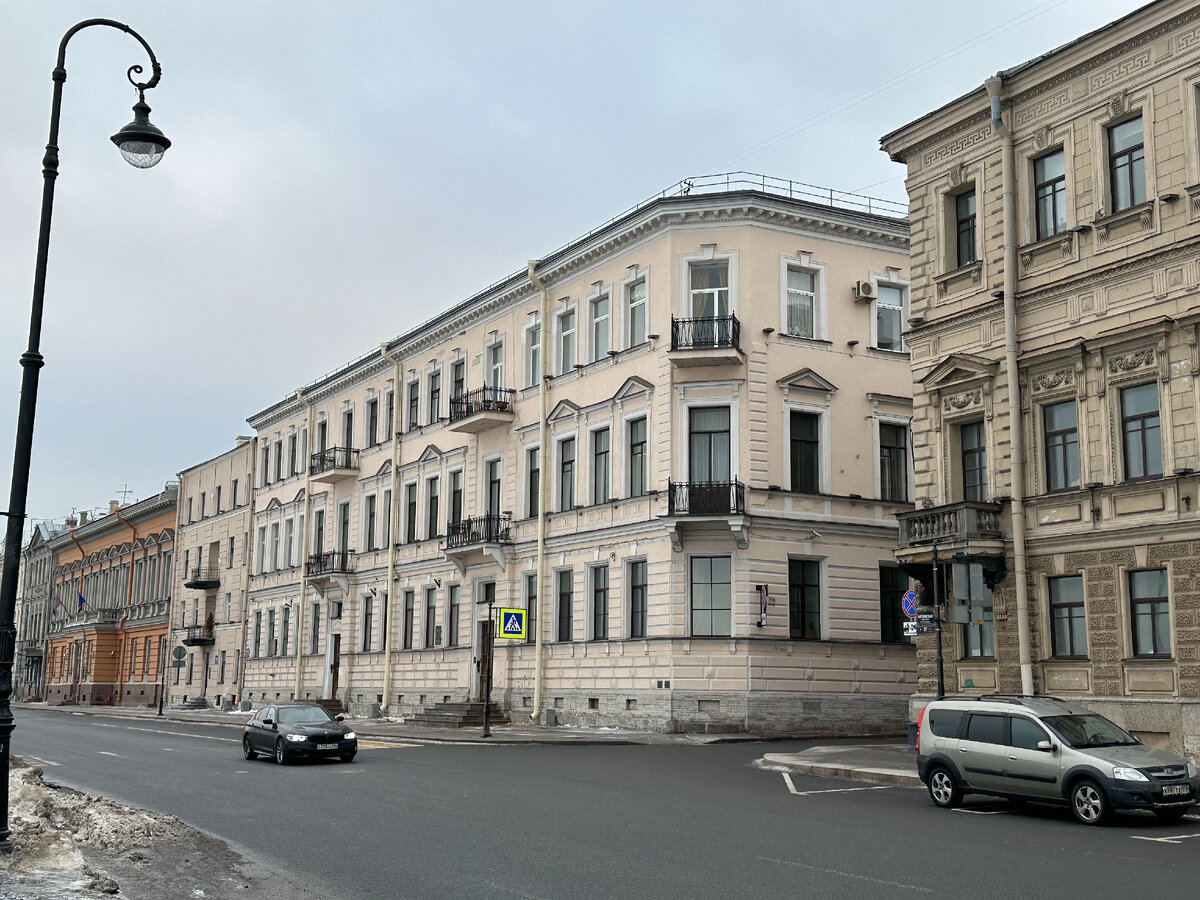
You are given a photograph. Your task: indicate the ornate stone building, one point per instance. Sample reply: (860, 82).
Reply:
(33, 613)
(1054, 330)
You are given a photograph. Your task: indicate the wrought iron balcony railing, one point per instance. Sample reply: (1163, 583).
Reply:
(333, 458)
(706, 333)
(963, 521)
(199, 636)
(706, 498)
(203, 577)
(331, 562)
(484, 399)
(479, 530)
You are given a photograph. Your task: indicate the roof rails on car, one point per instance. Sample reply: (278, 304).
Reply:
(1018, 698)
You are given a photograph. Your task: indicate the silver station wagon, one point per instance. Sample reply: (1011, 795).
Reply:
(1045, 749)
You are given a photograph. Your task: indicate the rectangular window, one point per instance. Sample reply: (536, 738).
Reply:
(203, 498)
(289, 540)
(804, 599)
(600, 327)
(893, 462)
(806, 452)
(258, 633)
(1140, 429)
(600, 603)
(1126, 164)
(531, 605)
(532, 480)
(322, 437)
(533, 355)
(435, 397)
(1150, 612)
(566, 342)
(709, 444)
(892, 585)
(711, 596)
(456, 497)
(801, 303)
(1068, 618)
(410, 513)
(386, 516)
(409, 613)
(709, 292)
(1050, 194)
(369, 526)
(217, 499)
(319, 531)
(964, 228)
(637, 458)
(262, 550)
(458, 378)
(889, 318)
(636, 311)
(492, 479)
(432, 502)
(233, 490)
(565, 602)
(452, 616)
(389, 413)
(189, 511)
(414, 404)
(969, 590)
(430, 617)
(566, 474)
(495, 365)
(274, 546)
(278, 462)
(314, 631)
(344, 527)
(348, 428)
(1059, 421)
(283, 630)
(291, 454)
(372, 434)
(368, 610)
(637, 599)
(974, 461)
(601, 466)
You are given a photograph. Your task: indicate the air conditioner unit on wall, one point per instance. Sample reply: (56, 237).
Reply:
(865, 290)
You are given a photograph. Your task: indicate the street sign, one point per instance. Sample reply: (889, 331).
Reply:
(178, 664)
(910, 604)
(512, 624)
(926, 622)
(910, 629)
(179, 653)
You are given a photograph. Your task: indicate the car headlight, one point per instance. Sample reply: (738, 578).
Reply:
(1193, 771)
(1123, 773)
(296, 737)
(349, 736)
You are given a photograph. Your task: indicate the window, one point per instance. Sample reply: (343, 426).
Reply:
(233, 490)
(889, 317)
(1150, 612)
(289, 539)
(435, 397)
(348, 428)
(987, 729)
(410, 513)
(893, 462)
(969, 590)
(637, 599)
(1068, 619)
(1062, 445)
(711, 596)
(409, 612)
(229, 555)
(531, 605)
(431, 512)
(566, 474)
(533, 355)
(322, 437)
(258, 633)
(600, 603)
(1050, 194)
(387, 518)
(637, 458)
(458, 378)
(314, 633)
(492, 478)
(456, 497)
(1126, 164)
(278, 464)
(945, 722)
(319, 531)
(801, 303)
(533, 480)
(189, 511)
(565, 600)
(708, 444)
(804, 599)
(262, 550)
(892, 585)
(709, 290)
(495, 366)
(372, 434)
(389, 413)
(430, 617)
(566, 342)
(368, 609)
(452, 615)
(1140, 430)
(964, 228)
(1026, 734)
(805, 452)
(344, 527)
(974, 461)
(414, 404)
(369, 526)
(636, 312)
(601, 468)
(203, 497)
(600, 327)
(283, 630)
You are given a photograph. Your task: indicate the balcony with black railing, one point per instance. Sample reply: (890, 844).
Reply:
(481, 409)
(203, 578)
(199, 636)
(706, 341)
(330, 562)
(706, 498)
(334, 464)
(479, 530)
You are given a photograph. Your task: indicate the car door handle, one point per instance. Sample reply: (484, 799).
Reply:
(962, 749)
(1013, 758)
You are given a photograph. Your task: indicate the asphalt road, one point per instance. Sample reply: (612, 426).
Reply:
(555, 822)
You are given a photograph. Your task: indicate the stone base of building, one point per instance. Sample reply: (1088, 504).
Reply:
(101, 694)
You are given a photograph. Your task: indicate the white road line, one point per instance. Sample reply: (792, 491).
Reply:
(106, 753)
(103, 724)
(242, 772)
(792, 787)
(982, 812)
(854, 875)
(1172, 839)
(203, 737)
(169, 750)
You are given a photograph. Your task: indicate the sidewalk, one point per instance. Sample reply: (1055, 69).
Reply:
(889, 763)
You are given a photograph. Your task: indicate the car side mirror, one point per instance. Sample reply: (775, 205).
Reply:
(272, 722)
(1046, 746)
(341, 718)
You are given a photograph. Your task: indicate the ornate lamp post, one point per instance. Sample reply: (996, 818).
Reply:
(142, 145)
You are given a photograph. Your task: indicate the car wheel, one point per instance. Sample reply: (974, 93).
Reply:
(280, 756)
(1089, 803)
(1170, 815)
(943, 790)
(348, 757)
(247, 753)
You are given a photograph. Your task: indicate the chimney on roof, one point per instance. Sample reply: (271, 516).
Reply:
(83, 517)
(113, 506)
(243, 439)
(72, 521)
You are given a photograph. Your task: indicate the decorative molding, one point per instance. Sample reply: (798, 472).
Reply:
(956, 402)
(1134, 360)
(952, 148)
(1048, 381)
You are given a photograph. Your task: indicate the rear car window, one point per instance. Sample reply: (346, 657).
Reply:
(945, 722)
(987, 729)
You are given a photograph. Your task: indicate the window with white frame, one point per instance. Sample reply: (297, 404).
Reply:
(432, 502)
(599, 602)
(635, 313)
(369, 521)
(434, 413)
(495, 365)
(893, 461)
(1050, 194)
(890, 304)
(289, 537)
(801, 303)
(600, 326)
(1126, 164)
(637, 457)
(533, 354)
(708, 292)
(566, 341)
(601, 465)
(566, 474)
(491, 470)
(532, 480)
(458, 378)
(414, 404)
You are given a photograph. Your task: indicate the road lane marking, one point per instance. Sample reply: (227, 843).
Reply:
(382, 745)
(854, 875)
(169, 750)
(1171, 839)
(792, 787)
(203, 737)
(982, 812)
(106, 753)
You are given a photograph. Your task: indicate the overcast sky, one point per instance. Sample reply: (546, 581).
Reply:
(342, 171)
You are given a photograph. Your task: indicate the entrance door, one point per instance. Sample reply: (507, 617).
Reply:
(335, 663)
(483, 655)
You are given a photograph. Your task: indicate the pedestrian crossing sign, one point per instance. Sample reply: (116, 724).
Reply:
(512, 624)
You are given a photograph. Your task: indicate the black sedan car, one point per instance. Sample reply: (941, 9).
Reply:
(290, 732)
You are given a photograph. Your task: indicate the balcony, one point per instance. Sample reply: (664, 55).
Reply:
(968, 528)
(332, 567)
(31, 648)
(199, 636)
(706, 507)
(483, 535)
(333, 465)
(709, 341)
(203, 578)
(479, 410)
(87, 618)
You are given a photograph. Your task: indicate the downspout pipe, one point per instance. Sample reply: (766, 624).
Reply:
(302, 603)
(82, 560)
(1016, 424)
(392, 531)
(128, 604)
(543, 463)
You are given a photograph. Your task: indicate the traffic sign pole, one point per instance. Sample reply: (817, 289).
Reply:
(487, 695)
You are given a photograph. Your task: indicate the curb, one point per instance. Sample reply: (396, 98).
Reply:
(834, 770)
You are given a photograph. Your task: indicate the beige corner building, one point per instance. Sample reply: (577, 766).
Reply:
(702, 531)
(1054, 331)
(208, 610)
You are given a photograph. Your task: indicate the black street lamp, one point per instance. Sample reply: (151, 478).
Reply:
(142, 145)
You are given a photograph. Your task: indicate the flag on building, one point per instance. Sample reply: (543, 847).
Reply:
(82, 602)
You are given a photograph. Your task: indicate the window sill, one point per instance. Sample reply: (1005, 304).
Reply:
(1153, 661)
(799, 340)
(960, 279)
(881, 353)
(1067, 659)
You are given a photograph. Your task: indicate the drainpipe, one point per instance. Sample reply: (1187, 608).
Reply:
(249, 555)
(128, 604)
(1016, 424)
(391, 550)
(303, 601)
(82, 559)
(543, 462)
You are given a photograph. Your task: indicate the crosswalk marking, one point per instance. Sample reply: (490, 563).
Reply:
(382, 745)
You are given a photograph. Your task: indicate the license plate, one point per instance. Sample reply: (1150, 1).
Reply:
(1176, 790)
(327, 746)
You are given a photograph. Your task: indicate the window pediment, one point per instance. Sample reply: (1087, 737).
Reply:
(633, 387)
(807, 379)
(430, 454)
(564, 409)
(958, 368)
